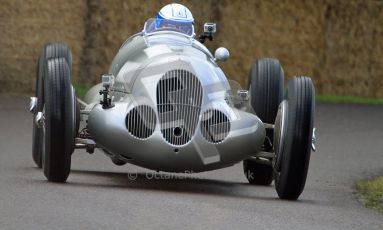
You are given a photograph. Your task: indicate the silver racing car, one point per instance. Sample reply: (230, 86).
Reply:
(166, 105)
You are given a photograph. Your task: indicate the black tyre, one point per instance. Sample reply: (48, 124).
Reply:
(37, 132)
(118, 162)
(50, 50)
(294, 143)
(60, 115)
(258, 172)
(266, 88)
(266, 92)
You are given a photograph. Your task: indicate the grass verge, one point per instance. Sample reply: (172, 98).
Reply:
(370, 192)
(348, 100)
(81, 89)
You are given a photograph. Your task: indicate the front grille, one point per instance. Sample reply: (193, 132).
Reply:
(215, 126)
(141, 121)
(179, 98)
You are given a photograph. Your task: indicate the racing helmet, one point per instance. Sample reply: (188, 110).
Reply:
(175, 17)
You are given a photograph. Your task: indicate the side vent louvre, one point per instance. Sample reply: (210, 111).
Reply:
(215, 126)
(141, 121)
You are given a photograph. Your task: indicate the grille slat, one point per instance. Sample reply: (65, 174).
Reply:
(141, 121)
(179, 98)
(215, 126)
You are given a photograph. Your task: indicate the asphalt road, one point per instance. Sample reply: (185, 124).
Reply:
(100, 195)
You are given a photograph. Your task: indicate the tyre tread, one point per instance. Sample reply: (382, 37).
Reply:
(296, 157)
(49, 51)
(57, 158)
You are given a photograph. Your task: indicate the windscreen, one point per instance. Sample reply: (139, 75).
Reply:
(153, 25)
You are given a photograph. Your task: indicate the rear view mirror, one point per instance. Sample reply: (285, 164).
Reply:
(221, 54)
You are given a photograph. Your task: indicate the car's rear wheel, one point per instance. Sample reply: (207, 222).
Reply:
(266, 92)
(118, 162)
(60, 115)
(293, 135)
(258, 171)
(50, 50)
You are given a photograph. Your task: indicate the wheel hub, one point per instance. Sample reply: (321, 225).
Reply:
(40, 119)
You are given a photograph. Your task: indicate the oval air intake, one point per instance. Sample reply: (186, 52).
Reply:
(215, 125)
(141, 121)
(179, 98)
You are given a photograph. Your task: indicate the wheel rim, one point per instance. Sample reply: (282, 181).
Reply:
(43, 141)
(280, 135)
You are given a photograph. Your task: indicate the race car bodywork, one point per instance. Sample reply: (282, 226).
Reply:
(166, 105)
(170, 108)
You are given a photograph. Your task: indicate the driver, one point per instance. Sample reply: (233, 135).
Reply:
(175, 17)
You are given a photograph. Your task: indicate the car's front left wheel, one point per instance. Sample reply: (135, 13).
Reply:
(293, 135)
(49, 51)
(59, 126)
